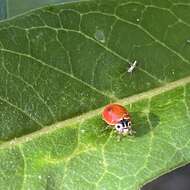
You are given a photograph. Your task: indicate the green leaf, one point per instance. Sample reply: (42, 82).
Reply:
(61, 64)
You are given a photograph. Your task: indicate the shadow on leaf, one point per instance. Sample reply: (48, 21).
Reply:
(143, 123)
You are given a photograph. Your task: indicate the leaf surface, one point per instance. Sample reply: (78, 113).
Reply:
(61, 64)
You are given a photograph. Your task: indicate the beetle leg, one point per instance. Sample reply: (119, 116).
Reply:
(105, 128)
(108, 126)
(119, 137)
(132, 132)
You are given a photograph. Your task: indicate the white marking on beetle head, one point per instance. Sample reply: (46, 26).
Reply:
(125, 131)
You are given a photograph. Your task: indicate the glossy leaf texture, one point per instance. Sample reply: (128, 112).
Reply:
(15, 7)
(61, 64)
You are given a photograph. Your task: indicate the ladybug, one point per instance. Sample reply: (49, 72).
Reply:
(118, 117)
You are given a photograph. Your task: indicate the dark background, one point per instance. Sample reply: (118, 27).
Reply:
(178, 179)
(3, 10)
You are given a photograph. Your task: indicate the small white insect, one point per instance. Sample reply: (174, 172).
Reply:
(132, 67)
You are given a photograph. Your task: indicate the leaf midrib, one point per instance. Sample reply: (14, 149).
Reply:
(68, 122)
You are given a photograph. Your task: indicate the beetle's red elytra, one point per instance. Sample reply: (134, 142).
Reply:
(118, 117)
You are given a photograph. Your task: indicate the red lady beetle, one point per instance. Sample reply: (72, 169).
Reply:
(118, 117)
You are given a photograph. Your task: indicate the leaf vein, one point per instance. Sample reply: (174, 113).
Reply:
(31, 87)
(20, 110)
(59, 71)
